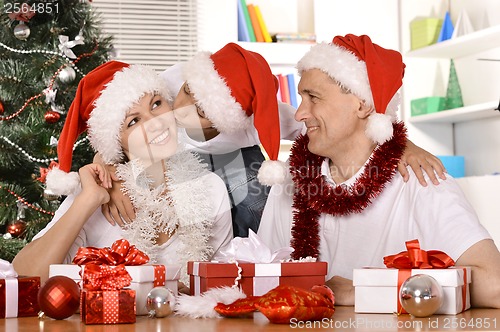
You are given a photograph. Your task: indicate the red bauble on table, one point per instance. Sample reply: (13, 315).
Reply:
(52, 117)
(59, 297)
(16, 228)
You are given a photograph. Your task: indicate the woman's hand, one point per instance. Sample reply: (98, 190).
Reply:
(420, 160)
(119, 210)
(95, 181)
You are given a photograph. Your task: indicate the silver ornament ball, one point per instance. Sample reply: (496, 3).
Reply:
(421, 295)
(22, 31)
(160, 302)
(67, 75)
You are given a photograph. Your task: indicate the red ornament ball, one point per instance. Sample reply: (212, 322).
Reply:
(16, 228)
(59, 297)
(52, 117)
(2, 109)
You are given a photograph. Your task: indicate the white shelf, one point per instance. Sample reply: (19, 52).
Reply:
(467, 113)
(469, 44)
(286, 54)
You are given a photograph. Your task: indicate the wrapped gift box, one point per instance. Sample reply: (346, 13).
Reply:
(18, 297)
(377, 291)
(144, 278)
(256, 279)
(107, 307)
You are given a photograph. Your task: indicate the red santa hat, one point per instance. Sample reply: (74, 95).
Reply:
(102, 100)
(230, 86)
(369, 71)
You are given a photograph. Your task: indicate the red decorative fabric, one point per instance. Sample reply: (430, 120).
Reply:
(313, 195)
(284, 303)
(416, 258)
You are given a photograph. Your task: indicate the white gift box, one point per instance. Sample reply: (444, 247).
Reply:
(377, 289)
(144, 278)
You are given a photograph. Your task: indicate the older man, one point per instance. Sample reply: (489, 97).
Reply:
(344, 202)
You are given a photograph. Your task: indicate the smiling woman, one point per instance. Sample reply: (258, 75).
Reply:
(149, 131)
(182, 209)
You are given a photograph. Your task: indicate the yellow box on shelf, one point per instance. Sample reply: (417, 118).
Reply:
(424, 31)
(427, 105)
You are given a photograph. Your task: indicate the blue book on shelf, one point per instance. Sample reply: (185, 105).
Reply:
(242, 25)
(446, 29)
(292, 90)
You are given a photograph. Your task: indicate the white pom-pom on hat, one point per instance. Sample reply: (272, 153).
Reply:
(272, 172)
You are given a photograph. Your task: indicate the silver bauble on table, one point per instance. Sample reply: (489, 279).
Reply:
(67, 75)
(421, 295)
(22, 31)
(160, 302)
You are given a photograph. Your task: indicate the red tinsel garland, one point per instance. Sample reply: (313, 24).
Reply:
(314, 196)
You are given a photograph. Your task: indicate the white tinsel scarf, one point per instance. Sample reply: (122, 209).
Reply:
(181, 205)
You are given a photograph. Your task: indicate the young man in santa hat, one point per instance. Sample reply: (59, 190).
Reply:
(345, 202)
(227, 105)
(183, 212)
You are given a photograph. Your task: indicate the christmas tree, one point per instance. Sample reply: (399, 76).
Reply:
(46, 47)
(453, 92)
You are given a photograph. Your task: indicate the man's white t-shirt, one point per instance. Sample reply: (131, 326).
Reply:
(440, 217)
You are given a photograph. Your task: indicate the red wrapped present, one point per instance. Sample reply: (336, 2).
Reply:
(144, 279)
(377, 289)
(255, 279)
(18, 295)
(124, 259)
(107, 307)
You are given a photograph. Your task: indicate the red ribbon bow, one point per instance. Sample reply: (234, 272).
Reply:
(121, 252)
(105, 267)
(44, 171)
(23, 13)
(416, 258)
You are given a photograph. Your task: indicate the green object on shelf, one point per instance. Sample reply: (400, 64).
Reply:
(424, 32)
(427, 105)
(453, 93)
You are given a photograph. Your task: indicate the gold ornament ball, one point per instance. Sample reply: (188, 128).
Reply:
(22, 31)
(160, 302)
(421, 295)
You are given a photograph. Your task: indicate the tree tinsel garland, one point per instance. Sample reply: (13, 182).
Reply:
(314, 196)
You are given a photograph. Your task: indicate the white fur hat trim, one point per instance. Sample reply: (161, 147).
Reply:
(213, 95)
(126, 89)
(345, 68)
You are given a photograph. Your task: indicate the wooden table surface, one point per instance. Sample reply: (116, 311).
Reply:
(344, 319)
